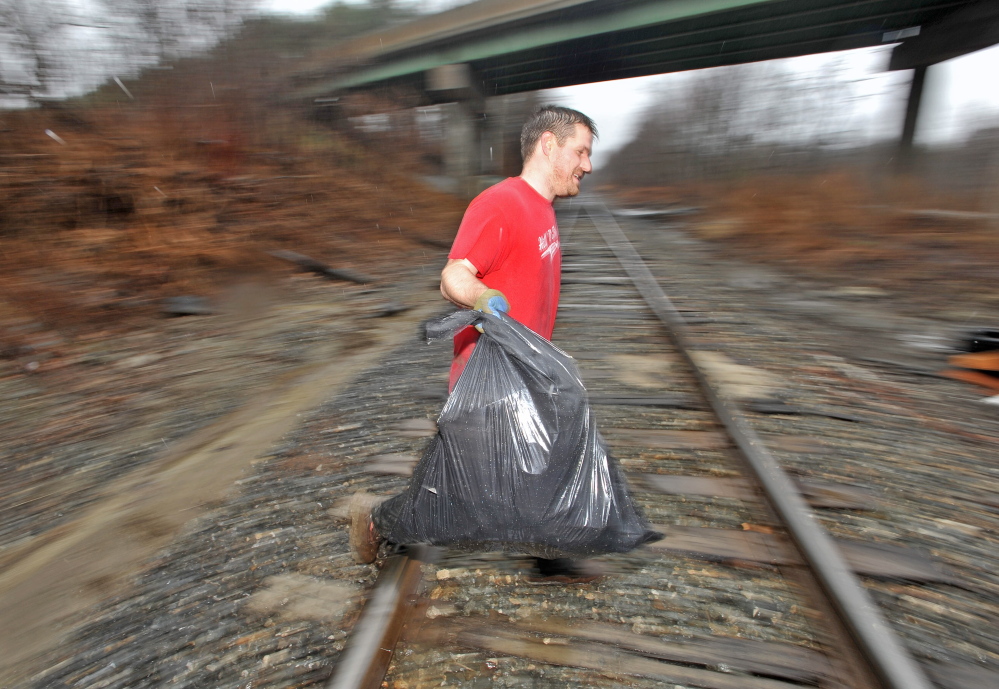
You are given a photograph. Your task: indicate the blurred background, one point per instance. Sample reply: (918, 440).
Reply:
(166, 166)
(160, 148)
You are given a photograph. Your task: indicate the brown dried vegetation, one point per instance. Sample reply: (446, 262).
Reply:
(182, 196)
(895, 234)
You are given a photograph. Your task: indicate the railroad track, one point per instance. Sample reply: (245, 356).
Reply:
(262, 590)
(746, 591)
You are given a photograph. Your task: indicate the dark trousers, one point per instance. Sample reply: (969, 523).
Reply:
(386, 514)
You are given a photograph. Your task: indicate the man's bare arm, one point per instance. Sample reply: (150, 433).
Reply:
(459, 284)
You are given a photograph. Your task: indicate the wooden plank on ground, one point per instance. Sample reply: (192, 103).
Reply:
(774, 659)
(877, 560)
(798, 444)
(951, 676)
(725, 544)
(836, 495)
(817, 493)
(884, 561)
(676, 400)
(667, 439)
(708, 486)
(502, 639)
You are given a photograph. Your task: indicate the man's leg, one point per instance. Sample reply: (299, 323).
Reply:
(386, 513)
(371, 518)
(562, 570)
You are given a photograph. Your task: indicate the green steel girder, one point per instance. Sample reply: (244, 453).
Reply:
(569, 42)
(528, 38)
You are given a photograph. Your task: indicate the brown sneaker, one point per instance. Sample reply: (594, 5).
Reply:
(364, 539)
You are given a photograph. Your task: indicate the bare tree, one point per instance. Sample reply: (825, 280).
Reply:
(722, 121)
(48, 46)
(29, 46)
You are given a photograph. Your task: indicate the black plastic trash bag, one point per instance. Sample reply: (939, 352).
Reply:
(517, 463)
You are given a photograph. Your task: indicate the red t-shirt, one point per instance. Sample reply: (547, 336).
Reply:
(510, 235)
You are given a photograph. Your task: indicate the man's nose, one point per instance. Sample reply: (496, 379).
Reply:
(586, 166)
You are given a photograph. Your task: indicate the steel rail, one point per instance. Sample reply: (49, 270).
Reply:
(363, 663)
(875, 640)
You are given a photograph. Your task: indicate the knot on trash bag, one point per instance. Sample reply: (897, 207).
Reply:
(452, 324)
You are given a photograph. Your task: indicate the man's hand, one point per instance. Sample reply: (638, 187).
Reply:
(492, 301)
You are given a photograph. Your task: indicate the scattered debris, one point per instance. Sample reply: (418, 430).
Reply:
(987, 360)
(312, 265)
(388, 309)
(298, 597)
(416, 428)
(653, 213)
(55, 137)
(640, 371)
(859, 292)
(396, 464)
(186, 306)
(980, 367)
(736, 380)
(139, 360)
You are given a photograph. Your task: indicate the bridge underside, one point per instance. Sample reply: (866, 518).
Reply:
(501, 47)
(511, 46)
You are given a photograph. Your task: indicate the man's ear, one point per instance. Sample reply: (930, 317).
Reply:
(548, 143)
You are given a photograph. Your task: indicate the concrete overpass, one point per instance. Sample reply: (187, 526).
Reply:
(498, 47)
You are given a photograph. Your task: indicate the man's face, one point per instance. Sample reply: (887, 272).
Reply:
(571, 161)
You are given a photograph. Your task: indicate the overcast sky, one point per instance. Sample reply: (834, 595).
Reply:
(958, 93)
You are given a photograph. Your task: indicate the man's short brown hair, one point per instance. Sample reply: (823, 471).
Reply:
(555, 119)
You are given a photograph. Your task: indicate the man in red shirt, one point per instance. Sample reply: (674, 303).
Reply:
(506, 253)
(506, 258)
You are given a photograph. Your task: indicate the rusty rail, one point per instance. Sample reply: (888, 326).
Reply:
(874, 639)
(369, 652)
(886, 663)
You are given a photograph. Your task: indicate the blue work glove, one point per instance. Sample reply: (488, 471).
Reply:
(493, 302)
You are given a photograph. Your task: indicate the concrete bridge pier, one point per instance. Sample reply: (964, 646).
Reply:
(465, 115)
(482, 135)
(462, 149)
